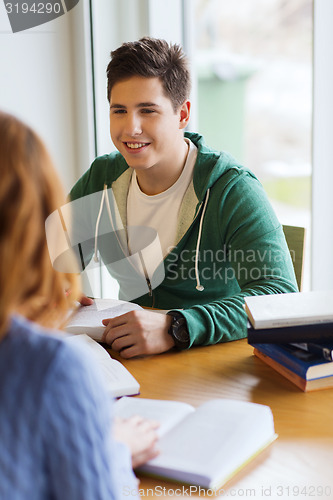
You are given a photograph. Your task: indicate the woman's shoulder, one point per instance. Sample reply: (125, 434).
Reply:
(32, 339)
(42, 350)
(45, 362)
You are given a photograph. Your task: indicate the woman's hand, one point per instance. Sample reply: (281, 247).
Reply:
(139, 435)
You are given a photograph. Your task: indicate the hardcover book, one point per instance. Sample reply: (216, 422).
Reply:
(88, 319)
(203, 446)
(298, 333)
(118, 380)
(288, 309)
(307, 365)
(303, 384)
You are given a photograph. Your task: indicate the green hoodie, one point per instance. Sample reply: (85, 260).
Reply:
(229, 243)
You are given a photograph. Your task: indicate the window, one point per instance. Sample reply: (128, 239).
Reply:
(253, 64)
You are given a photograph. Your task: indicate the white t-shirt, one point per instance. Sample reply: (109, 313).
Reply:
(159, 212)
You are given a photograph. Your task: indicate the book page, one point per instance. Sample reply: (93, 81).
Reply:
(167, 413)
(88, 319)
(209, 445)
(118, 380)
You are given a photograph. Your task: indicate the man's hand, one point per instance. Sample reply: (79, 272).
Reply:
(86, 301)
(138, 333)
(139, 435)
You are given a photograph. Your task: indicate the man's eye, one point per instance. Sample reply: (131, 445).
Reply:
(147, 110)
(118, 111)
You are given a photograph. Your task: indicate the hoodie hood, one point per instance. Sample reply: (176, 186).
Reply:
(210, 165)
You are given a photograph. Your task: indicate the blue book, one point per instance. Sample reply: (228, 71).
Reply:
(297, 333)
(307, 365)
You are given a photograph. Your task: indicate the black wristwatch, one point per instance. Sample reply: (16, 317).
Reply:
(178, 330)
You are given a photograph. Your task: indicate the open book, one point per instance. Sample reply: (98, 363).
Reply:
(204, 446)
(88, 319)
(118, 380)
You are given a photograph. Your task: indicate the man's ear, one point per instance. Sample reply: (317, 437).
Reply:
(184, 114)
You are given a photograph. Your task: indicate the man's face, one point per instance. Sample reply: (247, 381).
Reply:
(143, 124)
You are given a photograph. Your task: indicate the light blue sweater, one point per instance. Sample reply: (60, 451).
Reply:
(55, 422)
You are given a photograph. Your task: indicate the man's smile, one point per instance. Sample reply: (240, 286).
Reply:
(136, 145)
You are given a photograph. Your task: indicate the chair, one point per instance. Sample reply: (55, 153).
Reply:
(295, 237)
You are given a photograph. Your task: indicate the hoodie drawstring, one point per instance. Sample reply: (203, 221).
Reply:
(97, 222)
(199, 286)
(106, 198)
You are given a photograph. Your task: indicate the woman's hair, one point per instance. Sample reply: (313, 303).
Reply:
(29, 191)
(149, 58)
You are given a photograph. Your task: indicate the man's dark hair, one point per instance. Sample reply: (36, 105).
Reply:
(152, 57)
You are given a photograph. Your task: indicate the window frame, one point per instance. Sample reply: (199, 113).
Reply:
(322, 148)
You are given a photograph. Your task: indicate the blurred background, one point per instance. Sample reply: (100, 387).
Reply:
(262, 90)
(253, 64)
(254, 67)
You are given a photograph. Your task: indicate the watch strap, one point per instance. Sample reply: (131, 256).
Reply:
(178, 330)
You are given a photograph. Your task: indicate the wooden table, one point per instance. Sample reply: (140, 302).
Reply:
(299, 465)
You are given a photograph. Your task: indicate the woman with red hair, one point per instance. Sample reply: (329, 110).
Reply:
(55, 418)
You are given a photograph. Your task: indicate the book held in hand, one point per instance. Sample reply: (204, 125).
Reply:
(88, 319)
(290, 309)
(118, 380)
(203, 446)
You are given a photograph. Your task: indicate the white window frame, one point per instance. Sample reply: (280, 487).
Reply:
(322, 148)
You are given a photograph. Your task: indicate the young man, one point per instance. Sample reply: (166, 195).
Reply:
(193, 223)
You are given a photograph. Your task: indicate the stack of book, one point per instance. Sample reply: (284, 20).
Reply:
(293, 333)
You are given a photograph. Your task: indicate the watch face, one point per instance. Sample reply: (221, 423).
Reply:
(180, 333)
